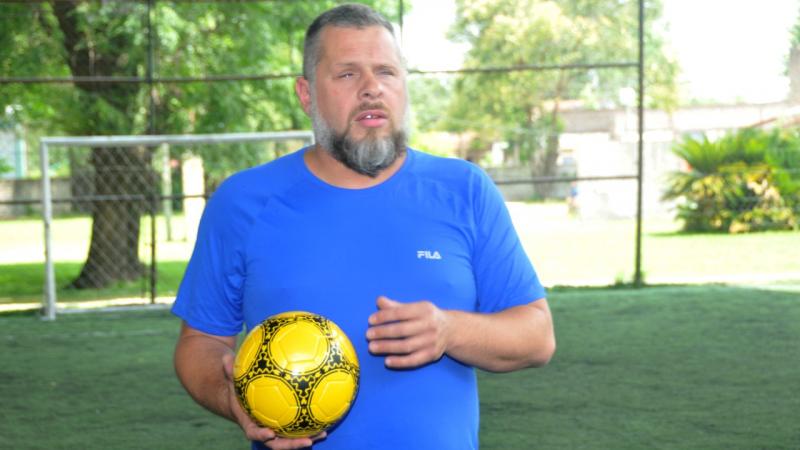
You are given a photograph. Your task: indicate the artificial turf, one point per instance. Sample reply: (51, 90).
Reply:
(703, 367)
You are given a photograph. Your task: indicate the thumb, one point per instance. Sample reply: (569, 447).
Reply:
(227, 365)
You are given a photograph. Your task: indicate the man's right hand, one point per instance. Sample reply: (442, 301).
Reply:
(254, 431)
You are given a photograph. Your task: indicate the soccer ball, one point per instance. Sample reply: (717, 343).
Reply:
(296, 373)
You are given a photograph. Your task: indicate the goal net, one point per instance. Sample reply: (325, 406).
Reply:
(113, 207)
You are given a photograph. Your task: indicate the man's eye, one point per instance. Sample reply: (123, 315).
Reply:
(346, 75)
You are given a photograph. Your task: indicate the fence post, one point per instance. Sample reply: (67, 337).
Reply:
(194, 195)
(637, 271)
(166, 189)
(154, 194)
(47, 216)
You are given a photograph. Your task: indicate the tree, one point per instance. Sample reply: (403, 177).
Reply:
(105, 41)
(87, 38)
(522, 107)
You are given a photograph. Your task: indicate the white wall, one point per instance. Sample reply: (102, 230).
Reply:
(604, 143)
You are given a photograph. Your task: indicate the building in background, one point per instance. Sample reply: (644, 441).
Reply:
(604, 142)
(598, 143)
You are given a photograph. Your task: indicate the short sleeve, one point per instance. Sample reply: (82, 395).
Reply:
(504, 275)
(209, 297)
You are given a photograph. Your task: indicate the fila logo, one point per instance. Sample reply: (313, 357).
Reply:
(427, 254)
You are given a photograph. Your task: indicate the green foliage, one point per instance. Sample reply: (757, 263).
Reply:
(522, 107)
(190, 39)
(429, 97)
(87, 40)
(747, 180)
(5, 167)
(786, 158)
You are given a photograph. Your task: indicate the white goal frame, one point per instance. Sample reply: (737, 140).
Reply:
(49, 299)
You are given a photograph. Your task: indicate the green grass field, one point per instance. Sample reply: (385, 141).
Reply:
(702, 367)
(573, 252)
(22, 283)
(22, 257)
(565, 252)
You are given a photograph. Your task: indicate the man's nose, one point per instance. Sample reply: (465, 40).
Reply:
(370, 87)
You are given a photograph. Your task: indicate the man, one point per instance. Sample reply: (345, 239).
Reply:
(413, 256)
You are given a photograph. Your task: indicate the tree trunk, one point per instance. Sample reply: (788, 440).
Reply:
(122, 178)
(546, 166)
(123, 187)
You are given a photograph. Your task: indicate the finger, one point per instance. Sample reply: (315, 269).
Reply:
(281, 443)
(392, 311)
(256, 433)
(277, 442)
(416, 359)
(396, 330)
(383, 303)
(399, 346)
(319, 436)
(252, 430)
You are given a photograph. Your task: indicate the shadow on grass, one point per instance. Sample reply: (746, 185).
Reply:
(24, 283)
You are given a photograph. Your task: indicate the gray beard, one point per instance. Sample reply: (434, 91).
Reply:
(368, 156)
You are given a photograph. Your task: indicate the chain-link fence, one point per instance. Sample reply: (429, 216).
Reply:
(124, 186)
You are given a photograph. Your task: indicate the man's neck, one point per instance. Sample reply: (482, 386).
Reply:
(330, 170)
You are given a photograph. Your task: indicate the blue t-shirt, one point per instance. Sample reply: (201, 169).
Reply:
(276, 238)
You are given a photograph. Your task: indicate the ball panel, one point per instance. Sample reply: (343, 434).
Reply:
(344, 343)
(251, 345)
(332, 396)
(299, 347)
(272, 401)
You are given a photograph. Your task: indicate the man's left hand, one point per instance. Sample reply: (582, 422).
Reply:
(410, 334)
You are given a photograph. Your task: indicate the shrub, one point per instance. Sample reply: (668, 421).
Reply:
(748, 180)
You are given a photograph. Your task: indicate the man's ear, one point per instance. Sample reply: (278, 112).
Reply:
(303, 90)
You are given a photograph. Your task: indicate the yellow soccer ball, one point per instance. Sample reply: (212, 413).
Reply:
(296, 373)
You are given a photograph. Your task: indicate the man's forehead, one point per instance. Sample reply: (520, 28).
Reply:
(353, 42)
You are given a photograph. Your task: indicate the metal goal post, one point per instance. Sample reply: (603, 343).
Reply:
(49, 299)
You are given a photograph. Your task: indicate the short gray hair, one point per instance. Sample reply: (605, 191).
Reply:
(346, 16)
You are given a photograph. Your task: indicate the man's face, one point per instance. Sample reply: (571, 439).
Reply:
(358, 102)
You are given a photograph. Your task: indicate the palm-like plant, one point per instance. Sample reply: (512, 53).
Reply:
(737, 183)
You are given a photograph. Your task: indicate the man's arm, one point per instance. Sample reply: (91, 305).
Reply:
(414, 334)
(204, 365)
